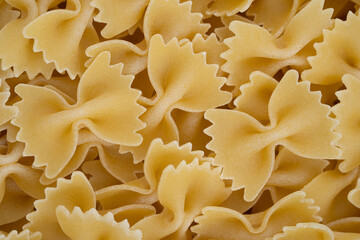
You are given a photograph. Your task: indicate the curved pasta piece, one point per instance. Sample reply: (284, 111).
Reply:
(24, 235)
(132, 213)
(106, 105)
(76, 192)
(181, 80)
(183, 192)
(158, 157)
(255, 96)
(334, 204)
(264, 11)
(118, 15)
(76, 24)
(337, 54)
(246, 149)
(264, 52)
(6, 112)
(228, 7)
(347, 112)
(354, 195)
(314, 231)
(28, 61)
(200, 6)
(350, 224)
(224, 223)
(6, 13)
(172, 11)
(133, 58)
(13, 153)
(90, 225)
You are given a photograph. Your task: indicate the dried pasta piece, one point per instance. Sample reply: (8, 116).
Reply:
(182, 80)
(224, 223)
(6, 112)
(354, 195)
(246, 149)
(76, 192)
(200, 6)
(13, 153)
(264, 11)
(183, 192)
(350, 224)
(228, 7)
(20, 56)
(99, 177)
(337, 185)
(314, 231)
(24, 235)
(133, 58)
(338, 54)
(105, 104)
(262, 51)
(75, 23)
(172, 11)
(132, 213)
(6, 13)
(90, 225)
(348, 113)
(118, 15)
(158, 157)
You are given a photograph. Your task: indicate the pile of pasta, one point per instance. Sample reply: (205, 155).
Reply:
(178, 119)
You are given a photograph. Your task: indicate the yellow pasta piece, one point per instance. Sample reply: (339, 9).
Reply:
(118, 15)
(75, 23)
(338, 54)
(350, 224)
(262, 51)
(105, 104)
(228, 7)
(76, 192)
(246, 149)
(183, 192)
(6, 13)
(7, 113)
(13, 153)
(354, 195)
(24, 235)
(181, 80)
(347, 113)
(200, 6)
(223, 223)
(92, 226)
(172, 11)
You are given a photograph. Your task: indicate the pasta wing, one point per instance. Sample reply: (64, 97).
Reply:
(354, 195)
(106, 105)
(24, 235)
(90, 225)
(76, 192)
(6, 13)
(249, 160)
(228, 7)
(224, 223)
(76, 24)
(313, 231)
(6, 112)
(338, 54)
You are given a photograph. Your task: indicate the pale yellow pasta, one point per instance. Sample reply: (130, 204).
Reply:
(6, 13)
(24, 235)
(228, 7)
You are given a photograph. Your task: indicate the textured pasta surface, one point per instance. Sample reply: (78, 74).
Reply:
(179, 119)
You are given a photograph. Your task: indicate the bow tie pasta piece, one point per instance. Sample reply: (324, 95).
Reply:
(92, 226)
(158, 157)
(180, 21)
(265, 10)
(354, 195)
(24, 235)
(106, 105)
(6, 112)
(262, 51)
(200, 6)
(338, 54)
(228, 7)
(76, 192)
(20, 56)
(118, 15)
(224, 223)
(348, 114)
(335, 203)
(246, 149)
(183, 192)
(75, 23)
(181, 80)
(7, 14)
(133, 58)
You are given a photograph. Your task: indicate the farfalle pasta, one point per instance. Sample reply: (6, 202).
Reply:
(179, 119)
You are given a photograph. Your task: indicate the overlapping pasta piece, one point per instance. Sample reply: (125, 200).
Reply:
(183, 192)
(7, 113)
(348, 113)
(246, 149)
(6, 13)
(90, 225)
(132, 213)
(119, 16)
(24, 235)
(181, 80)
(228, 7)
(20, 56)
(262, 51)
(224, 223)
(105, 104)
(75, 23)
(354, 195)
(172, 11)
(338, 54)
